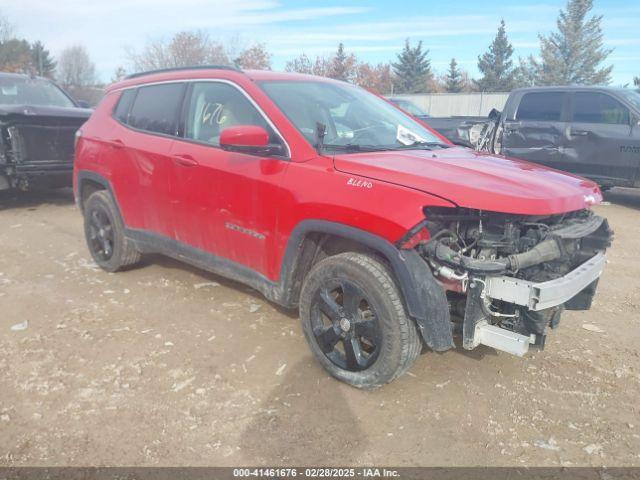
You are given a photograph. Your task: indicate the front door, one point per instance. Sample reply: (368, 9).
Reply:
(225, 203)
(538, 131)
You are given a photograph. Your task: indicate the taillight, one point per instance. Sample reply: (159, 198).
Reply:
(76, 138)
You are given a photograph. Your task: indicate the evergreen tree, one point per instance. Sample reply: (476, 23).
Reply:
(636, 81)
(412, 70)
(496, 64)
(526, 74)
(574, 54)
(43, 63)
(453, 80)
(343, 66)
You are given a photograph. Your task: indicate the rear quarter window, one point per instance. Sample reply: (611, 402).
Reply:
(541, 106)
(121, 112)
(156, 108)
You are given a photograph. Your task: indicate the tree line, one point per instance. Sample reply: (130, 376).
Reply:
(572, 54)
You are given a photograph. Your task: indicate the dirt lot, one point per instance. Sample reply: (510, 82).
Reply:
(167, 365)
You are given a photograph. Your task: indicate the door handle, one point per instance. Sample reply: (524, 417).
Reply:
(185, 160)
(115, 143)
(579, 133)
(512, 127)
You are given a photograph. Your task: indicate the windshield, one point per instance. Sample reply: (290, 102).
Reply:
(332, 115)
(32, 91)
(410, 107)
(633, 97)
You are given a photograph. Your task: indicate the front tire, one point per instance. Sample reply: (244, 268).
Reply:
(355, 322)
(104, 233)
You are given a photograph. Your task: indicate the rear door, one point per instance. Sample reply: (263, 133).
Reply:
(142, 161)
(599, 139)
(537, 132)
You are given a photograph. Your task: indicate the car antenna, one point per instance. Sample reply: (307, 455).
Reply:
(321, 132)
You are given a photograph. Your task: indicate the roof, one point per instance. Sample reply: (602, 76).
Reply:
(211, 71)
(179, 69)
(568, 88)
(19, 75)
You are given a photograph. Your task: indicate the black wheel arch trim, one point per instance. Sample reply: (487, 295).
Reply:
(83, 177)
(424, 297)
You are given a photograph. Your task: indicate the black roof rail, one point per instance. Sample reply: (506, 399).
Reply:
(179, 69)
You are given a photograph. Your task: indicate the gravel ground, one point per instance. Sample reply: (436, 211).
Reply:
(168, 365)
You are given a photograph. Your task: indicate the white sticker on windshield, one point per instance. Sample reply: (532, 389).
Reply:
(407, 137)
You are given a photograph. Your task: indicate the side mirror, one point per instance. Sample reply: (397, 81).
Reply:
(249, 139)
(83, 104)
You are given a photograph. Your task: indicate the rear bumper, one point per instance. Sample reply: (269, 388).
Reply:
(49, 174)
(538, 296)
(43, 168)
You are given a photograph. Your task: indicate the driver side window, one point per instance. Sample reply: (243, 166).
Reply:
(214, 106)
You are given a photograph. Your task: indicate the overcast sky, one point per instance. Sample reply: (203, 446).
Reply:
(375, 30)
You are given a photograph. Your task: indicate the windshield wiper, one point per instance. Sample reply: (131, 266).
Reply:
(352, 148)
(420, 144)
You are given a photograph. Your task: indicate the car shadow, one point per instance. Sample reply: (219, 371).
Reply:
(32, 199)
(286, 428)
(477, 353)
(628, 197)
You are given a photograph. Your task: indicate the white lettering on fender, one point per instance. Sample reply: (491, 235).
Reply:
(354, 182)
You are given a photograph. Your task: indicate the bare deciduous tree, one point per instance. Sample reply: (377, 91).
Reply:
(118, 74)
(15, 56)
(345, 66)
(375, 77)
(183, 50)
(341, 66)
(255, 57)
(75, 68)
(300, 64)
(6, 28)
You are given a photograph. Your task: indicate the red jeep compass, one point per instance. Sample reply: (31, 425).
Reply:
(327, 198)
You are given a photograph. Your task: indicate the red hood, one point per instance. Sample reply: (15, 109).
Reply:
(477, 180)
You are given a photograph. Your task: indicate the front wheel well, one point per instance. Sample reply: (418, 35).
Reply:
(317, 246)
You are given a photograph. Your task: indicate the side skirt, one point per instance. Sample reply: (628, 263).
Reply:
(148, 242)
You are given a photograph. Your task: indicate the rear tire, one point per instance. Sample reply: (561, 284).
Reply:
(355, 322)
(105, 236)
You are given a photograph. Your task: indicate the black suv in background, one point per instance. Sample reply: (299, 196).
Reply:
(593, 132)
(38, 122)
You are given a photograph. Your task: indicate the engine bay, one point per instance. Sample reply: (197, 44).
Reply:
(482, 258)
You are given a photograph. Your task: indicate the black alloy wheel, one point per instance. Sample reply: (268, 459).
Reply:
(101, 236)
(345, 325)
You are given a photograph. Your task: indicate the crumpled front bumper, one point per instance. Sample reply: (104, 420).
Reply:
(542, 295)
(533, 296)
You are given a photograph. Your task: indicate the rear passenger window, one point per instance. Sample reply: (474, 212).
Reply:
(156, 108)
(121, 111)
(593, 107)
(542, 106)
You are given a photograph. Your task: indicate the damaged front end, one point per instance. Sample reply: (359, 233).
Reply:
(37, 145)
(509, 277)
